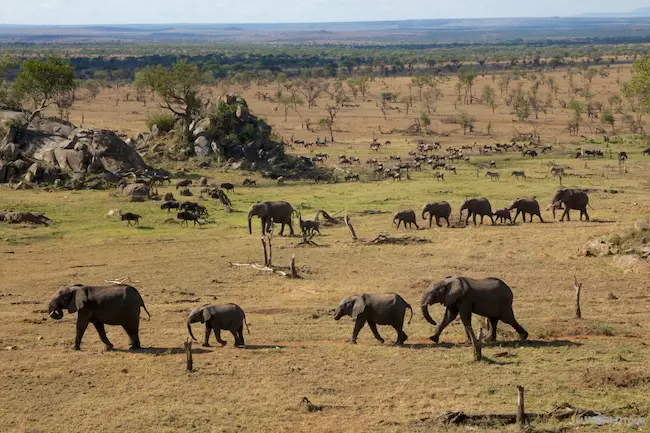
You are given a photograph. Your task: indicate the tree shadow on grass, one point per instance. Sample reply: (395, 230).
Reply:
(504, 344)
(146, 228)
(158, 351)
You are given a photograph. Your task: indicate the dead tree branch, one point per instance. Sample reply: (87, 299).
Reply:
(577, 286)
(352, 232)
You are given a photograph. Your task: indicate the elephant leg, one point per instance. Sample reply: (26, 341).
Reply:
(586, 214)
(235, 336)
(375, 332)
(450, 315)
(240, 334)
(102, 335)
(291, 228)
(467, 219)
(466, 318)
(474, 219)
(357, 327)
(282, 230)
(523, 216)
(437, 222)
(82, 324)
(447, 219)
(208, 330)
(493, 329)
(217, 335)
(416, 225)
(401, 335)
(539, 215)
(431, 221)
(491, 219)
(482, 216)
(132, 330)
(516, 215)
(510, 320)
(566, 214)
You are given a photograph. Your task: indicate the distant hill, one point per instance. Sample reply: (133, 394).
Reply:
(637, 13)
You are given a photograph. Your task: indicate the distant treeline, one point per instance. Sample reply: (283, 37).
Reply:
(218, 61)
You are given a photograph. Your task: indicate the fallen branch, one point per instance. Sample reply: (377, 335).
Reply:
(352, 232)
(577, 286)
(406, 240)
(119, 281)
(328, 218)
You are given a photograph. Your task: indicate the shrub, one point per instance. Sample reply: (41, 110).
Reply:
(165, 122)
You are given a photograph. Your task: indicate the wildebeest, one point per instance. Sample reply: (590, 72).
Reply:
(186, 216)
(130, 217)
(228, 186)
(169, 205)
(519, 174)
(183, 183)
(250, 182)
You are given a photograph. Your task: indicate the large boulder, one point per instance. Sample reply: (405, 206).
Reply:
(599, 248)
(135, 190)
(202, 147)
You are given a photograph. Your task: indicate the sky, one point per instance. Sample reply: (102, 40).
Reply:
(63, 12)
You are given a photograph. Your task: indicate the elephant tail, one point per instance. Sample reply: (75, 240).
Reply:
(411, 317)
(246, 323)
(590, 206)
(146, 311)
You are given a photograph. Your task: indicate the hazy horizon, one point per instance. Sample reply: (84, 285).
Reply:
(125, 12)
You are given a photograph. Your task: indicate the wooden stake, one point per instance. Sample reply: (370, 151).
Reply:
(188, 352)
(352, 232)
(476, 344)
(292, 266)
(270, 263)
(266, 255)
(521, 413)
(577, 286)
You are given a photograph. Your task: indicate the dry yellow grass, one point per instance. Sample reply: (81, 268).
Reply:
(295, 349)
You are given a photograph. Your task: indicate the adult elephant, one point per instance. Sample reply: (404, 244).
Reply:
(229, 317)
(110, 305)
(270, 212)
(474, 207)
(488, 297)
(526, 206)
(572, 199)
(437, 210)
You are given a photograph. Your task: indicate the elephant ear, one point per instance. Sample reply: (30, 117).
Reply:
(77, 299)
(358, 307)
(456, 289)
(207, 314)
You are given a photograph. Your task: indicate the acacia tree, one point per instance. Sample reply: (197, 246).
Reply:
(44, 82)
(5, 63)
(178, 88)
(489, 98)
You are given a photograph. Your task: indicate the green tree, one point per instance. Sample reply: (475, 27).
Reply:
(177, 87)
(425, 120)
(43, 82)
(489, 98)
(6, 62)
(639, 86)
(608, 118)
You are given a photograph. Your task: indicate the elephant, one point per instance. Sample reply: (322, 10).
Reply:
(109, 305)
(476, 206)
(488, 297)
(502, 215)
(572, 199)
(377, 309)
(406, 217)
(526, 206)
(217, 317)
(438, 210)
(270, 212)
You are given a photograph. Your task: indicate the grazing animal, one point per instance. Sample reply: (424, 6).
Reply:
(194, 207)
(111, 305)
(114, 212)
(376, 309)
(308, 227)
(492, 164)
(488, 297)
(183, 183)
(280, 180)
(526, 206)
(502, 215)
(438, 210)
(493, 175)
(169, 205)
(407, 217)
(228, 187)
(440, 176)
(451, 168)
(130, 217)
(250, 182)
(646, 151)
(557, 171)
(518, 174)
(228, 317)
(187, 216)
(169, 197)
(354, 177)
(185, 192)
(530, 152)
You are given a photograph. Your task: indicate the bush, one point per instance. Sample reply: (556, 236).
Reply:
(165, 122)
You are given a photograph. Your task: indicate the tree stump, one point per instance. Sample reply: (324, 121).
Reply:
(352, 232)
(577, 286)
(521, 411)
(188, 352)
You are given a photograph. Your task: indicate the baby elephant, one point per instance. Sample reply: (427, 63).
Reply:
(406, 217)
(502, 215)
(217, 317)
(381, 309)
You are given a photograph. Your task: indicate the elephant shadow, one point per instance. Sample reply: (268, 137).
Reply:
(145, 228)
(261, 347)
(504, 344)
(158, 351)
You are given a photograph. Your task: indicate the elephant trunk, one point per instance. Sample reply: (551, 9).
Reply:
(427, 316)
(424, 214)
(189, 328)
(54, 312)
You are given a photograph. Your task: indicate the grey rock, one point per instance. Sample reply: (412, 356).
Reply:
(155, 131)
(202, 147)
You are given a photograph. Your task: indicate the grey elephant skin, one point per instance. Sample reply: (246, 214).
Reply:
(526, 206)
(376, 309)
(271, 212)
(488, 297)
(110, 305)
(229, 317)
(572, 199)
(474, 207)
(437, 210)
(406, 217)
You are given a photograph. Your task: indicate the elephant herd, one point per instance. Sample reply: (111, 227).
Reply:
(120, 305)
(566, 199)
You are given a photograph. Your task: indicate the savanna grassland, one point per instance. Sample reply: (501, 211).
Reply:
(295, 348)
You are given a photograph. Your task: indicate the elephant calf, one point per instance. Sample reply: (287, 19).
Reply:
(381, 309)
(439, 210)
(526, 206)
(112, 305)
(406, 217)
(502, 215)
(217, 317)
